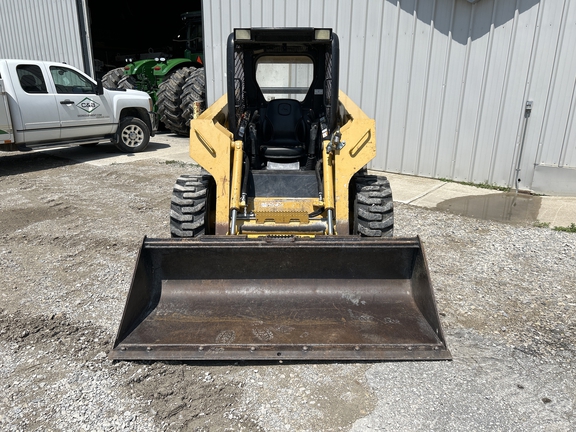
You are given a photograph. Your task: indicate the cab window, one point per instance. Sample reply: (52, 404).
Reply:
(68, 81)
(31, 79)
(284, 76)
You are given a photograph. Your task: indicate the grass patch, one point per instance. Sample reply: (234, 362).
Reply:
(478, 185)
(180, 163)
(570, 229)
(539, 224)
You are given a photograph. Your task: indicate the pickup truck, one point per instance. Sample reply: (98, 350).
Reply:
(45, 103)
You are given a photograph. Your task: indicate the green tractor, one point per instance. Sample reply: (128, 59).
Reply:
(176, 85)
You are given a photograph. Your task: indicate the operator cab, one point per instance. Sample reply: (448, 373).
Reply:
(283, 90)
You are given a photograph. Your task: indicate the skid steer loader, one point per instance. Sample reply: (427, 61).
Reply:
(282, 247)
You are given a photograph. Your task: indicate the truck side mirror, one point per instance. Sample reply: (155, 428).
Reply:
(99, 87)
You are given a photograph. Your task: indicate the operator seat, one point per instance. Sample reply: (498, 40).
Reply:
(283, 131)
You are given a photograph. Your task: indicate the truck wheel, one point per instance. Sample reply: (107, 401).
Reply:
(372, 206)
(192, 211)
(111, 79)
(169, 101)
(133, 135)
(194, 95)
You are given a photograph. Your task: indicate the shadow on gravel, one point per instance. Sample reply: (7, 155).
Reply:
(44, 158)
(22, 163)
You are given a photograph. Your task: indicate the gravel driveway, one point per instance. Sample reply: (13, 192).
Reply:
(68, 242)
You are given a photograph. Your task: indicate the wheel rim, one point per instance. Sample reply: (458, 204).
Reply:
(132, 136)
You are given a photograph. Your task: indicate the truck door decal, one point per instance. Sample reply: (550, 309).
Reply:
(88, 105)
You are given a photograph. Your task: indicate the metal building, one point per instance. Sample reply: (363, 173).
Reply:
(46, 30)
(481, 91)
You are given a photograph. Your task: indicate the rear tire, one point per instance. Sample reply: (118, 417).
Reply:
(194, 93)
(132, 136)
(128, 82)
(372, 206)
(169, 101)
(192, 211)
(111, 79)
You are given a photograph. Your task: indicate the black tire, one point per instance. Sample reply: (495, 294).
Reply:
(192, 211)
(111, 79)
(128, 82)
(169, 101)
(372, 206)
(194, 93)
(133, 135)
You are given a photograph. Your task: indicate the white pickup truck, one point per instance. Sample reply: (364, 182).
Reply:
(53, 103)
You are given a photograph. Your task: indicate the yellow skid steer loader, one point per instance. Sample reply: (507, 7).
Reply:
(282, 246)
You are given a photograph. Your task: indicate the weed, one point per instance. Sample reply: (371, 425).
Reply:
(570, 229)
(478, 185)
(539, 224)
(180, 163)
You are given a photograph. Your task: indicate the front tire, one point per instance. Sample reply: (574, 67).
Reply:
(192, 210)
(133, 135)
(372, 206)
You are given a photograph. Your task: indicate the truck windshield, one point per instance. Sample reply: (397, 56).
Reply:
(284, 77)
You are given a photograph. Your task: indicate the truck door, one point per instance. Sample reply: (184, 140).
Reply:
(38, 112)
(6, 131)
(83, 113)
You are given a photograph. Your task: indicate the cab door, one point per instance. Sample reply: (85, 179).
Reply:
(38, 116)
(83, 113)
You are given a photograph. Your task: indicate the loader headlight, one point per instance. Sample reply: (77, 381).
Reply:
(322, 34)
(242, 34)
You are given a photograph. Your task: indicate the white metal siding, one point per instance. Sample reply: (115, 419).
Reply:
(45, 30)
(446, 80)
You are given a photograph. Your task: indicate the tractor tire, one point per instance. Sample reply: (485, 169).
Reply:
(194, 95)
(111, 79)
(132, 136)
(127, 82)
(372, 207)
(169, 101)
(192, 211)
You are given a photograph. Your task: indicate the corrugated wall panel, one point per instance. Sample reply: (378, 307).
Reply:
(507, 135)
(568, 157)
(541, 85)
(385, 87)
(433, 112)
(560, 97)
(44, 30)
(446, 80)
(457, 69)
(499, 93)
(417, 81)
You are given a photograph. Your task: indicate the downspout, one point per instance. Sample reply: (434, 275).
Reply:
(527, 111)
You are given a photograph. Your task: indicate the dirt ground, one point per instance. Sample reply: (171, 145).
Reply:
(70, 234)
(69, 237)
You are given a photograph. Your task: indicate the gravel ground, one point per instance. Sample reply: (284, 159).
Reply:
(69, 237)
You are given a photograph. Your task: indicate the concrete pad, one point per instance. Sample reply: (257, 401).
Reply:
(449, 191)
(163, 146)
(558, 211)
(427, 192)
(406, 188)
